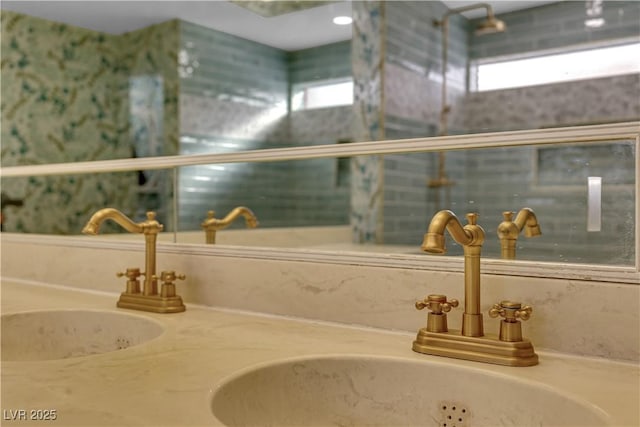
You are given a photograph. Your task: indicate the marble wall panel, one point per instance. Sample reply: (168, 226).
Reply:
(367, 56)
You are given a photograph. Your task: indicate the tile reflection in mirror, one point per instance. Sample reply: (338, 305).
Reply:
(292, 194)
(306, 203)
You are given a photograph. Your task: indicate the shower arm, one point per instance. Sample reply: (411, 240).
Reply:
(442, 180)
(444, 24)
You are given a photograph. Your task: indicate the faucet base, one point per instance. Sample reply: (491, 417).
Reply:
(488, 348)
(153, 303)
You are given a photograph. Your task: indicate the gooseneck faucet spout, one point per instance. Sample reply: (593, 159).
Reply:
(446, 220)
(96, 220)
(150, 228)
(471, 237)
(509, 229)
(212, 224)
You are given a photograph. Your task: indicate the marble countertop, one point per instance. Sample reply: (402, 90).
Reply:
(168, 381)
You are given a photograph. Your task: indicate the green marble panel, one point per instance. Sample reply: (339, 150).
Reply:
(67, 96)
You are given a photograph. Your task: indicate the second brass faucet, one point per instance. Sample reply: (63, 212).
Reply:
(509, 229)
(211, 225)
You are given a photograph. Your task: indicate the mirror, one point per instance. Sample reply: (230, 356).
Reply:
(142, 96)
(583, 195)
(306, 203)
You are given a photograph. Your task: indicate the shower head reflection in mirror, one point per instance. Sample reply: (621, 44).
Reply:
(490, 25)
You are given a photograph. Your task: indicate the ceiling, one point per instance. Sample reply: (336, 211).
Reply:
(290, 31)
(498, 6)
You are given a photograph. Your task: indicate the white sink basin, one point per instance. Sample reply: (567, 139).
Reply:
(61, 334)
(378, 391)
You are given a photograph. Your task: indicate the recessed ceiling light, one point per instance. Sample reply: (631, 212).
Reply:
(342, 20)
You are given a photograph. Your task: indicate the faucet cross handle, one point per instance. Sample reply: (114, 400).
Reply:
(510, 327)
(437, 303)
(168, 289)
(132, 275)
(170, 276)
(511, 311)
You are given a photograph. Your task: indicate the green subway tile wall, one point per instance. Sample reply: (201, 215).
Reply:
(332, 61)
(557, 25)
(413, 87)
(236, 98)
(414, 42)
(229, 66)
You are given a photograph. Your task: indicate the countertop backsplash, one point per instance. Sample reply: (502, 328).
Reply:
(586, 318)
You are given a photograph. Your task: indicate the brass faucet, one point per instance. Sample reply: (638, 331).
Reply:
(148, 299)
(471, 237)
(470, 343)
(212, 224)
(508, 230)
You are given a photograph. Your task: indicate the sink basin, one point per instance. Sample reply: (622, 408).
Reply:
(61, 334)
(381, 391)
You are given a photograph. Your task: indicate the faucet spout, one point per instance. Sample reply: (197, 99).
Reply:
(509, 229)
(526, 219)
(96, 220)
(212, 224)
(434, 241)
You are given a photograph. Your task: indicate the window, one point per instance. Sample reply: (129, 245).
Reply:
(577, 65)
(320, 95)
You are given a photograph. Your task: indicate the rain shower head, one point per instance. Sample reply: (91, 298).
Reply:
(489, 26)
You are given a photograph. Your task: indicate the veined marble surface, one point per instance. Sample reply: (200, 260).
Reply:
(575, 316)
(168, 381)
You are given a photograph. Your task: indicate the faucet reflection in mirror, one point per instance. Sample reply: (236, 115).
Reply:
(508, 230)
(212, 224)
(509, 348)
(7, 201)
(133, 298)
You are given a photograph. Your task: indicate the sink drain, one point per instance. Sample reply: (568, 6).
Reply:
(453, 414)
(122, 343)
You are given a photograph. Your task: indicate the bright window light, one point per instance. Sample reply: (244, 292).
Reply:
(328, 94)
(342, 20)
(585, 64)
